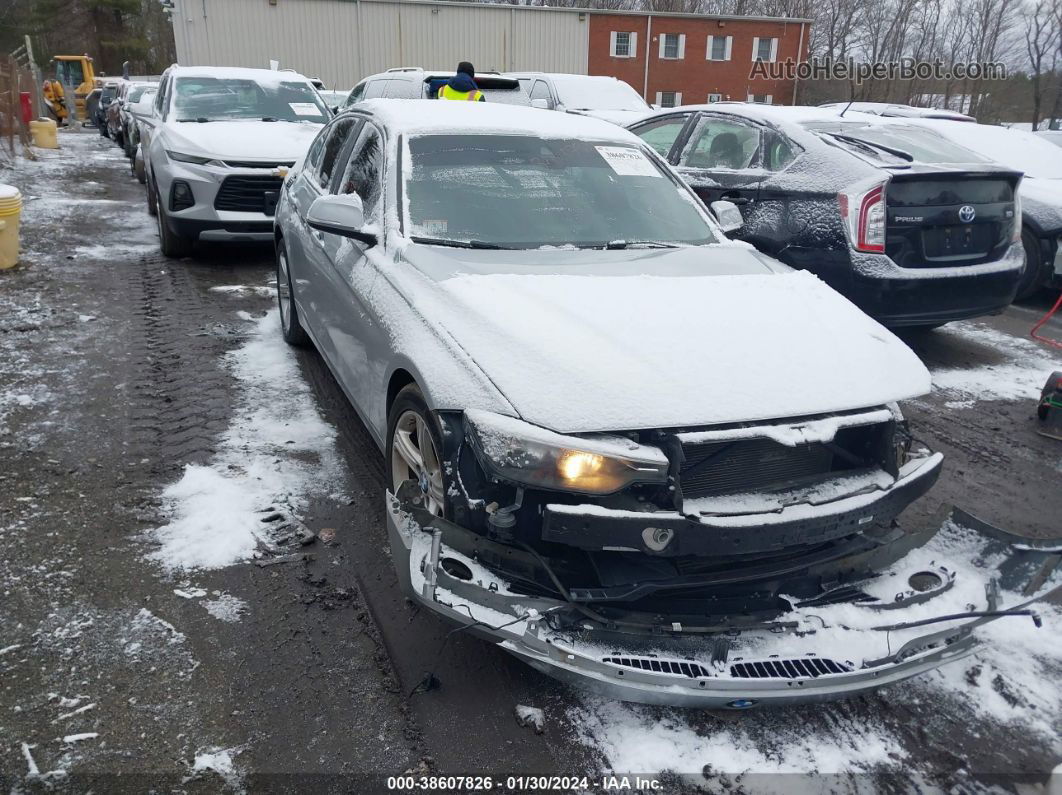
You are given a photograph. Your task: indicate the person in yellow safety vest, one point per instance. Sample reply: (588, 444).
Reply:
(461, 86)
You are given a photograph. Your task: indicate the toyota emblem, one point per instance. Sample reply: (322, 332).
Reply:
(967, 213)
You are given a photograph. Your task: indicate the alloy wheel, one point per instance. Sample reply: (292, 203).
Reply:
(414, 457)
(283, 290)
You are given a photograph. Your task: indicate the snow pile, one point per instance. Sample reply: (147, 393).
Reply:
(1019, 375)
(640, 739)
(226, 607)
(278, 450)
(531, 717)
(219, 761)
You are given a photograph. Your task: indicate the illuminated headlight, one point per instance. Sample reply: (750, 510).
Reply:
(180, 157)
(519, 452)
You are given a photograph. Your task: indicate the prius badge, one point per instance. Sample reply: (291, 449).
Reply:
(967, 213)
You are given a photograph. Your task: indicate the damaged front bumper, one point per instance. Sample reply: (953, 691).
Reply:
(919, 613)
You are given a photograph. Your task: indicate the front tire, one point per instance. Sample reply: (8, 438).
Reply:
(290, 325)
(171, 244)
(414, 447)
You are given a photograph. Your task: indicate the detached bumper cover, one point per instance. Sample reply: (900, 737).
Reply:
(815, 653)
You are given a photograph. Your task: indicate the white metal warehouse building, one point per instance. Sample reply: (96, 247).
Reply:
(342, 41)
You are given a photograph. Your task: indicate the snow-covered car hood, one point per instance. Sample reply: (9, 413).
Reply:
(661, 338)
(242, 140)
(623, 118)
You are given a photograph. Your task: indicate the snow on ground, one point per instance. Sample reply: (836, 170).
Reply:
(276, 453)
(219, 761)
(1020, 375)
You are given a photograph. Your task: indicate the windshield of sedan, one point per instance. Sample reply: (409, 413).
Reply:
(215, 99)
(597, 93)
(515, 191)
(923, 146)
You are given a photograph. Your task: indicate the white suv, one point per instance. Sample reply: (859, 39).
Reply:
(221, 142)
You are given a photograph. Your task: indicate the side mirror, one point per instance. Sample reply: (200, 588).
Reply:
(728, 215)
(340, 214)
(541, 104)
(335, 109)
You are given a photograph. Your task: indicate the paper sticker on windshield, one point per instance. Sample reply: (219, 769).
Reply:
(628, 162)
(304, 109)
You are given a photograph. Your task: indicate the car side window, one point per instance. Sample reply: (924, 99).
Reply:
(362, 174)
(334, 142)
(779, 152)
(162, 97)
(402, 89)
(722, 143)
(660, 134)
(313, 156)
(541, 91)
(356, 95)
(375, 88)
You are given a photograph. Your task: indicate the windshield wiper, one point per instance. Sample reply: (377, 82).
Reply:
(440, 241)
(852, 139)
(270, 118)
(199, 120)
(620, 244)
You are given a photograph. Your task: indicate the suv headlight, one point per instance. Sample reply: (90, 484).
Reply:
(180, 157)
(523, 453)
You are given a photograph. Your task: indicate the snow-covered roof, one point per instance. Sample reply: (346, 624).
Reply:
(413, 116)
(238, 73)
(1016, 149)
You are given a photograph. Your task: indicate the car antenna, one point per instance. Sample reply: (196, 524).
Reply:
(846, 107)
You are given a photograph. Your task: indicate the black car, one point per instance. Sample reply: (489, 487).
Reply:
(99, 116)
(914, 229)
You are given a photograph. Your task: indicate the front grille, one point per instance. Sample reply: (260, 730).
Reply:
(749, 465)
(677, 667)
(247, 194)
(797, 668)
(252, 164)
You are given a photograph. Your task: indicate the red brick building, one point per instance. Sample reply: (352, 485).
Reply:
(680, 59)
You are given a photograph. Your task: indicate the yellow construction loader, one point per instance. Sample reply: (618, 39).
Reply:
(72, 72)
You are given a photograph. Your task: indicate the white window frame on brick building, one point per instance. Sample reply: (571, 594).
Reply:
(762, 99)
(727, 43)
(675, 99)
(772, 49)
(714, 98)
(679, 40)
(615, 40)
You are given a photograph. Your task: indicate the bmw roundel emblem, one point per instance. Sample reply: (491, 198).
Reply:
(967, 213)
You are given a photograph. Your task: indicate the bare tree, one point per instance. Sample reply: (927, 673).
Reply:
(1041, 31)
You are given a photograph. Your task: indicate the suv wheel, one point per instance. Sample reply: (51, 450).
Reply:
(171, 243)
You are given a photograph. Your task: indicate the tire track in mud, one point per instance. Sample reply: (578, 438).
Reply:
(180, 394)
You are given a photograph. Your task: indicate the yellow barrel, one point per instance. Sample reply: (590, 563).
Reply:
(10, 210)
(45, 133)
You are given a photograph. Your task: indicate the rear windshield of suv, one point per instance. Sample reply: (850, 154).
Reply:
(519, 191)
(215, 99)
(924, 146)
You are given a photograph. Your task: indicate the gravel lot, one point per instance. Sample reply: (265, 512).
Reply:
(122, 372)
